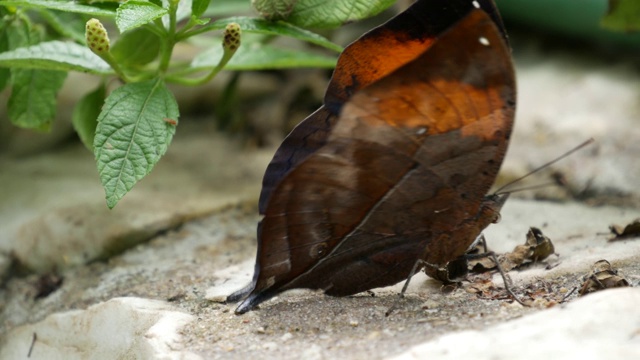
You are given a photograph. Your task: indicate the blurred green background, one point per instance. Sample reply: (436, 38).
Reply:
(580, 19)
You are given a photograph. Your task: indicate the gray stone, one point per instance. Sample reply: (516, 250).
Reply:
(53, 212)
(121, 328)
(603, 325)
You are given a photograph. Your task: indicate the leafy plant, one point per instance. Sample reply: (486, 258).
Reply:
(623, 15)
(131, 128)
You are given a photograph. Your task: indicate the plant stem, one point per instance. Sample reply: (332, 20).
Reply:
(170, 39)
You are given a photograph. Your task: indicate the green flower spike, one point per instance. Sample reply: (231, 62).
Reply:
(97, 37)
(98, 41)
(231, 41)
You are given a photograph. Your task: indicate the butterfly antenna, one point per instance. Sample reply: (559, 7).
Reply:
(588, 142)
(532, 187)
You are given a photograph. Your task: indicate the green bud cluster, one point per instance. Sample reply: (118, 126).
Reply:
(231, 37)
(97, 37)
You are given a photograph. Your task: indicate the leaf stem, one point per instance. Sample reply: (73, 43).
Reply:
(184, 32)
(116, 67)
(202, 80)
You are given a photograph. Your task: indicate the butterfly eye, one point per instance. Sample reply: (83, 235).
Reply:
(318, 250)
(497, 218)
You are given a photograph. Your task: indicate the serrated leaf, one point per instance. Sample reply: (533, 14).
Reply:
(623, 15)
(198, 7)
(261, 26)
(55, 55)
(329, 14)
(32, 103)
(136, 48)
(85, 115)
(107, 10)
(133, 14)
(134, 130)
(258, 56)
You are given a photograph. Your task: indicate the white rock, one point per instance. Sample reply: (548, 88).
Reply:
(563, 101)
(121, 328)
(232, 278)
(602, 325)
(312, 352)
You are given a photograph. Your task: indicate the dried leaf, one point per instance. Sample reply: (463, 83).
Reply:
(537, 247)
(453, 272)
(541, 245)
(630, 230)
(602, 276)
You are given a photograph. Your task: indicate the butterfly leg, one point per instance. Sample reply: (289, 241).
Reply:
(505, 278)
(416, 267)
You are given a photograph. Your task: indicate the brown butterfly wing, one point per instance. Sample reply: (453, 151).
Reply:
(402, 176)
(397, 42)
(368, 59)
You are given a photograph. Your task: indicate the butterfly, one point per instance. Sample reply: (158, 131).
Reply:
(396, 165)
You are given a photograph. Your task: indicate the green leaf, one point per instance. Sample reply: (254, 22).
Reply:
(66, 24)
(4, 72)
(199, 21)
(329, 14)
(32, 103)
(85, 115)
(274, 9)
(18, 33)
(107, 10)
(198, 7)
(623, 15)
(136, 48)
(133, 14)
(258, 56)
(55, 55)
(134, 130)
(228, 7)
(261, 26)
